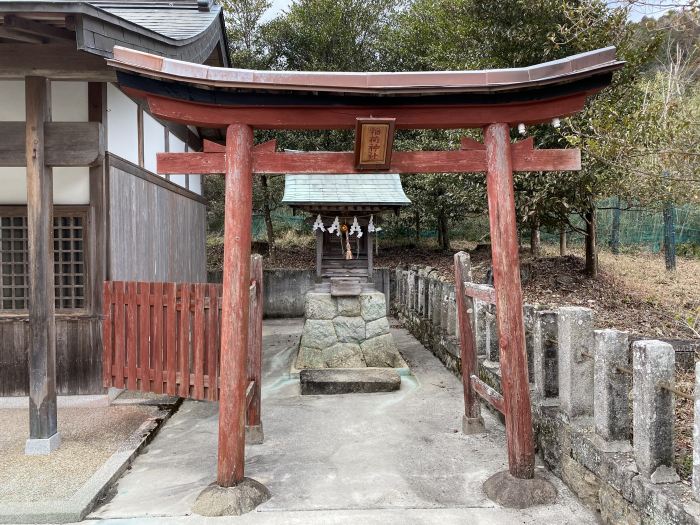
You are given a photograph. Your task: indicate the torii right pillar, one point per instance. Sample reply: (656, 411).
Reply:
(505, 258)
(518, 487)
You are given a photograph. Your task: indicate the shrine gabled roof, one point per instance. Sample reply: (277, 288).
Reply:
(557, 72)
(352, 189)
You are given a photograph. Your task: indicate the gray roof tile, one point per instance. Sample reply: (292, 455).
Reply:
(364, 188)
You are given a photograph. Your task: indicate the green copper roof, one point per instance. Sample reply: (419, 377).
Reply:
(364, 188)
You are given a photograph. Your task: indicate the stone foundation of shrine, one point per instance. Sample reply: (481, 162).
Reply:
(347, 332)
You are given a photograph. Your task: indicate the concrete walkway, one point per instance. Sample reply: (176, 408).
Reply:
(361, 458)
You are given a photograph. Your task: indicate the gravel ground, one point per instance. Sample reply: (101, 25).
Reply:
(88, 437)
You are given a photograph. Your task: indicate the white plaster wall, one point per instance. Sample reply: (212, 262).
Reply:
(69, 104)
(70, 185)
(153, 141)
(122, 127)
(196, 184)
(69, 101)
(12, 100)
(177, 146)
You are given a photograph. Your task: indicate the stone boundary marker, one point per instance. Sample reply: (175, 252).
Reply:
(582, 381)
(82, 502)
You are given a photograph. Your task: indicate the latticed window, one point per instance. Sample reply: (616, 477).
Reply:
(69, 259)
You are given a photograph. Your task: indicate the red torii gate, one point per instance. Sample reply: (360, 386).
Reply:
(243, 100)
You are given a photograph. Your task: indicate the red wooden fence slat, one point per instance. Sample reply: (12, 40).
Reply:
(119, 354)
(171, 342)
(213, 341)
(157, 338)
(143, 303)
(165, 337)
(108, 347)
(198, 341)
(184, 346)
(131, 335)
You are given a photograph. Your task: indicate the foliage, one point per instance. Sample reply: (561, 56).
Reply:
(688, 249)
(644, 125)
(242, 24)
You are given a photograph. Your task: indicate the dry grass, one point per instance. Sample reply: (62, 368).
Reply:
(644, 277)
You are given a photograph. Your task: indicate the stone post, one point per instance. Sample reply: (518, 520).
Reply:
(493, 352)
(414, 298)
(653, 364)
(696, 435)
(435, 299)
(611, 414)
(451, 309)
(410, 292)
(529, 319)
(421, 292)
(444, 305)
(397, 292)
(545, 360)
(480, 327)
(404, 292)
(575, 337)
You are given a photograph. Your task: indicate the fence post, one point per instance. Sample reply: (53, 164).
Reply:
(653, 363)
(611, 414)
(480, 327)
(545, 359)
(254, 428)
(575, 337)
(472, 422)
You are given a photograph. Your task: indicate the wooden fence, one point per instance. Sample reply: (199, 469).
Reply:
(165, 338)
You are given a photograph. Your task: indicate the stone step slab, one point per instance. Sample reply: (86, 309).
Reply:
(329, 381)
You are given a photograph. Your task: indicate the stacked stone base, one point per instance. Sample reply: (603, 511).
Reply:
(347, 332)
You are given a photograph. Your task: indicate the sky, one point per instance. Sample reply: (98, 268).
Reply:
(652, 8)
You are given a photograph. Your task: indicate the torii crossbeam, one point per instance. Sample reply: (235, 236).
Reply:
(494, 100)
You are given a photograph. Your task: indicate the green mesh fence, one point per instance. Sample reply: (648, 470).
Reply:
(281, 221)
(638, 227)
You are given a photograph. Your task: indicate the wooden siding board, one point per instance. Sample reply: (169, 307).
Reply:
(155, 234)
(78, 362)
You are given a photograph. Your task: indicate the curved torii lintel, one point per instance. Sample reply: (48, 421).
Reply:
(216, 97)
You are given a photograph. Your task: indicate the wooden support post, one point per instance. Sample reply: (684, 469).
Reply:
(42, 322)
(509, 302)
(235, 304)
(319, 254)
(472, 422)
(370, 257)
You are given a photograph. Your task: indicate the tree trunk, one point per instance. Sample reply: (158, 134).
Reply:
(535, 238)
(267, 214)
(417, 222)
(615, 234)
(443, 228)
(562, 241)
(591, 248)
(669, 234)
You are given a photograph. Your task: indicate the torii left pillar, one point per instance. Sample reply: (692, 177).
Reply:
(233, 493)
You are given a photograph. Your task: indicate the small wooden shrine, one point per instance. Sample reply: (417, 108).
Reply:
(347, 211)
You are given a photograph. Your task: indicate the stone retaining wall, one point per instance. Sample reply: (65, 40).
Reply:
(284, 289)
(581, 408)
